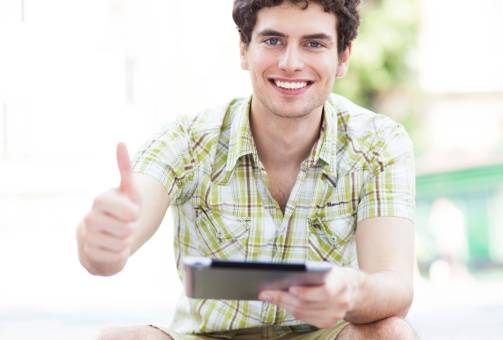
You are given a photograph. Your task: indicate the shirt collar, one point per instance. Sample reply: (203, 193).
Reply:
(326, 148)
(241, 139)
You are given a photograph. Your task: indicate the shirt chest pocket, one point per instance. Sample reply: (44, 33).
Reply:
(222, 235)
(331, 238)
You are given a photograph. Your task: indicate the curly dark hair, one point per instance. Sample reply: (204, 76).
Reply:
(244, 14)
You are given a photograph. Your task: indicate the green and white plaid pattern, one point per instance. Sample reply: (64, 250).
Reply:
(361, 167)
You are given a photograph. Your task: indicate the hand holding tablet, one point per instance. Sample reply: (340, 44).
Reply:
(234, 280)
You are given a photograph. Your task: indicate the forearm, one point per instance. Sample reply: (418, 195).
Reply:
(378, 295)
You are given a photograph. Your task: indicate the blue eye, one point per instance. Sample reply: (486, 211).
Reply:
(314, 44)
(272, 41)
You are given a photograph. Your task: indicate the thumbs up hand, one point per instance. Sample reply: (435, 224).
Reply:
(104, 234)
(126, 186)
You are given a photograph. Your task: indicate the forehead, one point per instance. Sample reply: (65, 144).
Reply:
(292, 20)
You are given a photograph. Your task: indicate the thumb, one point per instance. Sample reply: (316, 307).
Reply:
(126, 186)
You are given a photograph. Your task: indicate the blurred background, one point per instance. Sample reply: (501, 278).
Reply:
(76, 77)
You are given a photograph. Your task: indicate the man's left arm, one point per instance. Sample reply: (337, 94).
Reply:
(383, 286)
(385, 247)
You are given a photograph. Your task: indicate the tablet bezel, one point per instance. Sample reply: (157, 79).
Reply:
(208, 278)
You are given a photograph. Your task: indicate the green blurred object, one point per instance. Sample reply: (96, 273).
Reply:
(382, 55)
(472, 190)
(382, 74)
(383, 77)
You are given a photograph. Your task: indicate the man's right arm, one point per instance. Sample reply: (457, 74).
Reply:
(121, 220)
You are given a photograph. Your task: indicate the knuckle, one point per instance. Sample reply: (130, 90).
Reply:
(324, 324)
(89, 220)
(121, 245)
(133, 212)
(328, 292)
(301, 293)
(125, 213)
(102, 199)
(344, 304)
(98, 201)
(332, 320)
(338, 316)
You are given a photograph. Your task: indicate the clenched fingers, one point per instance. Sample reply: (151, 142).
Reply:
(290, 301)
(116, 205)
(99, 222)
(105, 256)
(320, 293)
(108, 243)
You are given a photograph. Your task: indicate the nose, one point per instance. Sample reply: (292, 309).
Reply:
(290, 60)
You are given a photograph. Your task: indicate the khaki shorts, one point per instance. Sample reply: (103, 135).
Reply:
(269, 333)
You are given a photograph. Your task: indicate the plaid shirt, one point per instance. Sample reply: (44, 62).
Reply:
(361, 167)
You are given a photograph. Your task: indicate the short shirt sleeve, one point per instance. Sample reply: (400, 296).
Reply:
(389, 189)
(167, 157)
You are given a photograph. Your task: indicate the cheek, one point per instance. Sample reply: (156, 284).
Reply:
(260, 62)
(326, 68)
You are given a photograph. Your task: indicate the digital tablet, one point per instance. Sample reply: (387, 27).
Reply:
(233, 280)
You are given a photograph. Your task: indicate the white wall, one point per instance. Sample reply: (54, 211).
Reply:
(461, 74)
(461, 49)
(76, 77)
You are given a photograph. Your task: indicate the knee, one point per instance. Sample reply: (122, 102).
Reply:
(116, 333)
(133, 333)
(394, 328)
(110, 333)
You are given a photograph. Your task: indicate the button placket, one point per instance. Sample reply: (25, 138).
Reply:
(315, 223)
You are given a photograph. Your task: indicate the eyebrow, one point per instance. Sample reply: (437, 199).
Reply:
(319, 36)
(273, 33)
(269, 33)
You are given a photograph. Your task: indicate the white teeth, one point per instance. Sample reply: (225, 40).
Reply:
(290, 85)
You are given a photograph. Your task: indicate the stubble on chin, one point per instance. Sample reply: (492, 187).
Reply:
(285, 115)
(295, 112)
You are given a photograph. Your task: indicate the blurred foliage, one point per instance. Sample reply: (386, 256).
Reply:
(382, 72)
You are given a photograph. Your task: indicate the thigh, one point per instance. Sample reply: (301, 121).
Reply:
(255, 333)
(386, 329)
(177, 336)
(140, 332)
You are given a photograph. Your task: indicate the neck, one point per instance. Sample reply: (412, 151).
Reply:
(284, 141)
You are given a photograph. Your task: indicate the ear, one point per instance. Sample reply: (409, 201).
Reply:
(342, 68)
(243, 49)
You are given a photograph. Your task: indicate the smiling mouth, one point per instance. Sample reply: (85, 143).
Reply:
(290, 85)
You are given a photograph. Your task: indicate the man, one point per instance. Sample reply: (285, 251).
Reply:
(293, 173)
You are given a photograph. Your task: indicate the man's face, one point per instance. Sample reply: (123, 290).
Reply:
(292, 59)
